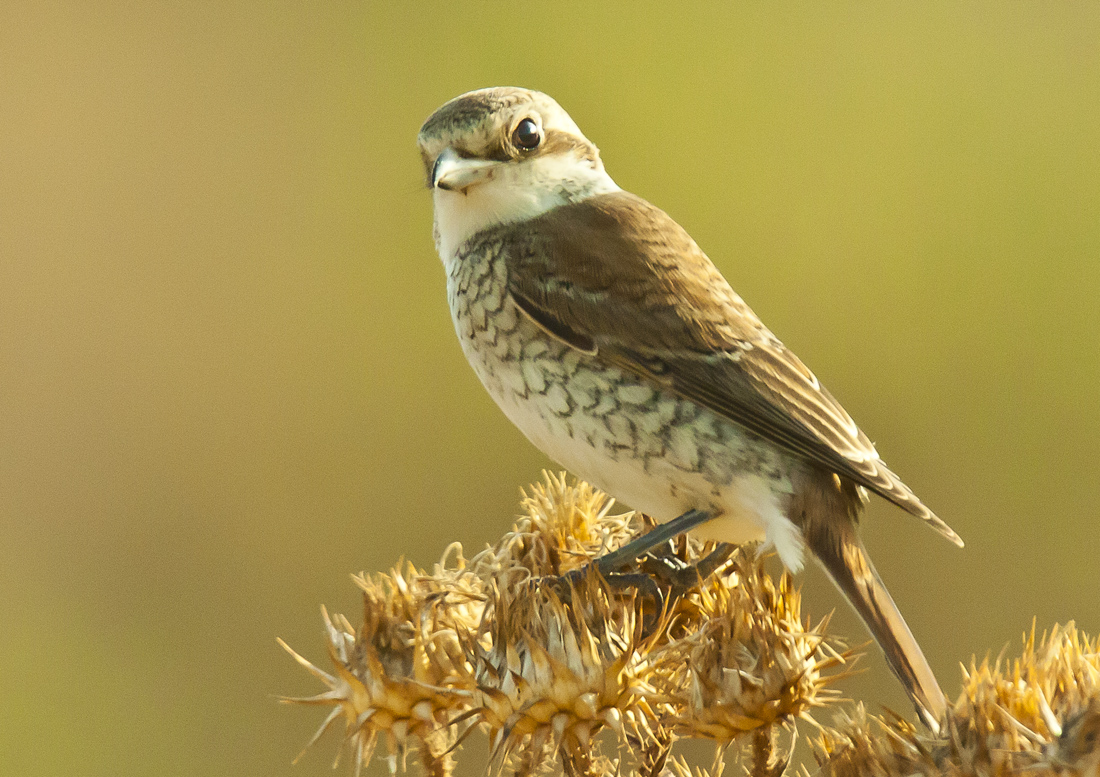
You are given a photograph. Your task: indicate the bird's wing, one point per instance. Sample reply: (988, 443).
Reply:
(615, 276)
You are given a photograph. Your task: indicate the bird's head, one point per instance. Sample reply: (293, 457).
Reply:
(502, 155)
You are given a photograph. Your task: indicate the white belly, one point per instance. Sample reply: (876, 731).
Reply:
(749, 506)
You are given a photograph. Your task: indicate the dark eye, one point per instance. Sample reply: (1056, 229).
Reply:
(526, 135)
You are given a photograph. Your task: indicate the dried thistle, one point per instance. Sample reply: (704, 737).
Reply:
(539, 652)
(1039, 713)
(563, 527)
(566, 660)
(404, 673)
(746, 661)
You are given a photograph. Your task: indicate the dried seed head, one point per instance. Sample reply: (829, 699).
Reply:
(404, 674)
(1040, 712)
(541, 653)
(563, 527)
(746, 660)
(563, 662)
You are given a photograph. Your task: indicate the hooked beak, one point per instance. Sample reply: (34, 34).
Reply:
(454, 173)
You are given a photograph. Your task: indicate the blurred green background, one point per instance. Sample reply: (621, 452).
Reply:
(228, 376)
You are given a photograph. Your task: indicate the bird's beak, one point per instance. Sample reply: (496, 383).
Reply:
(455, 173)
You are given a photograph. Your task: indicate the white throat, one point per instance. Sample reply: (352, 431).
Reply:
(514, 192)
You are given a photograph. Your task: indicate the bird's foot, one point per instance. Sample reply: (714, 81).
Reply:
(664, 574)
(678, 575)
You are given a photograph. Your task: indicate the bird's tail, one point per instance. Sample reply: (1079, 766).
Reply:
(842, 554)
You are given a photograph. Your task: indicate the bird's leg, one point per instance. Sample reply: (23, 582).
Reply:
(663, 579)
(609, 562)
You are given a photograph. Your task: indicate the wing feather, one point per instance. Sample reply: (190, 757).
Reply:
(584, 272)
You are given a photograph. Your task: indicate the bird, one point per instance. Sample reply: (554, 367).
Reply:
(606, 335)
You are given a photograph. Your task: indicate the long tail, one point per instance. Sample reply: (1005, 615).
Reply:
(838, 547)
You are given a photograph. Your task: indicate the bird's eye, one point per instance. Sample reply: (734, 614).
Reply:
(526, 135)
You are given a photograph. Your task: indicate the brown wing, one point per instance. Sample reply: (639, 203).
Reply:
(616, 276)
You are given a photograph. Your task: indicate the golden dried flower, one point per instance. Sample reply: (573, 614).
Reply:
(746, 659)
(404, 674)
(564, 660)
(1040, 712)
(563, 527)
(541, 652)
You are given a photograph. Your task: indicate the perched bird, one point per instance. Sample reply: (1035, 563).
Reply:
(610, 339)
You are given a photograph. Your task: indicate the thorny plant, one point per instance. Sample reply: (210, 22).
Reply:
(527, 645)
(1038, 714)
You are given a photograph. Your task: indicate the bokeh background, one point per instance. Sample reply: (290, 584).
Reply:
(228, 376)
